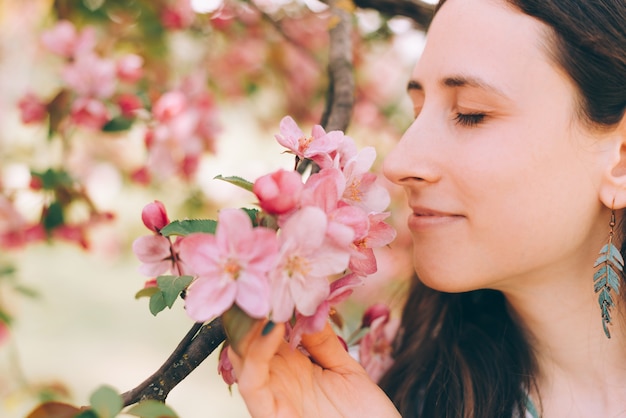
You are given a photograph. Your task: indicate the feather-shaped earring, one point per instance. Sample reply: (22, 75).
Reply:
(607, 278)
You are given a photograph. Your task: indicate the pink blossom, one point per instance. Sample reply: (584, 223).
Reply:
(130, 68)
(177, 15)
(323, 190)
(232, 267)
(379, 234)
(64, 40)
(90, 113)
(278, 192)
(318, 147)
(32, 109)
(340, 290)
(225, 367)
(154, 216)
(169, 105)
(91, 76)
(375, 349)
(300, 279)
(361, 187)
(158, 255)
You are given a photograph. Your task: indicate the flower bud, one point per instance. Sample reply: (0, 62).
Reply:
(278, 192)
(374, 312)
(154, 216)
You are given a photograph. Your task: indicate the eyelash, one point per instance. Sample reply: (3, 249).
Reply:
(469, 119)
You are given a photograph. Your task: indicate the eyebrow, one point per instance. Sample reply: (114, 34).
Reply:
(457, 81)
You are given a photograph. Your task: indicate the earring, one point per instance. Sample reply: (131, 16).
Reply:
(607, 278)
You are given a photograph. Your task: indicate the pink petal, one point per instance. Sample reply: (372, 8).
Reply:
(282, 302)
(208, 298)
(151, 248)
(200, 254)
(309, 294)
(253, 294)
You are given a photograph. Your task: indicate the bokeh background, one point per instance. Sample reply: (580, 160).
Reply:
(69, 321)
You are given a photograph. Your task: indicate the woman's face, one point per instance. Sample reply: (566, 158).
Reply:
(501, 177)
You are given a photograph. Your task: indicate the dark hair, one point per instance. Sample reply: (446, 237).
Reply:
(464, 355)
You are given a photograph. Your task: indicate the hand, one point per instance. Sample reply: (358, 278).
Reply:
(277, 381)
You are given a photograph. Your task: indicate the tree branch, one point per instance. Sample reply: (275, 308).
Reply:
(421, 13)
(340, 98)
(197, 345)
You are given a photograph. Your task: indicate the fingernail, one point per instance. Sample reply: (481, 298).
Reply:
(268, 328)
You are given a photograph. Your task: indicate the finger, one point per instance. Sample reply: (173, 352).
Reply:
(252, 370)
(328, 352)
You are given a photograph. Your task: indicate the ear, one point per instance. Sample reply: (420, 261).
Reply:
(613, 186)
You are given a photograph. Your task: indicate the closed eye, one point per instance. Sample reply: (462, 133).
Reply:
(469, 119)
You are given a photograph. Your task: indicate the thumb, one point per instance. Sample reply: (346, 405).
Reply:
(328, 352)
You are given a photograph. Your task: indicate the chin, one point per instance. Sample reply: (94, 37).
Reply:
(444, 280)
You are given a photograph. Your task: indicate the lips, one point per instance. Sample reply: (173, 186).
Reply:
(425, 217)
(424, 211)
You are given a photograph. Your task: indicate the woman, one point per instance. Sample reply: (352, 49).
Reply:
(514, 167)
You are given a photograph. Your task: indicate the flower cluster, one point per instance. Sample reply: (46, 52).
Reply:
(106, 92)
(310, 244)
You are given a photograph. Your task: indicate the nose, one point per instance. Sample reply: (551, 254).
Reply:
(414, 160)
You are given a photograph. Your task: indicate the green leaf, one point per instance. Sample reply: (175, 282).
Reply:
(189, 226)
(147, 292)
(118, 124)
(106, 402)
(253, 214)
(237, 181)
(157, 303)
(51, 179)
(151, 409)
(54, 216)
(87, 413)
(171, 286)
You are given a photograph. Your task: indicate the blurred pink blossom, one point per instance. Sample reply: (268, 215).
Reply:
(178, 14)
(378, 310)
(232, 267)
(89, 113)
(4, 332)
(129, 104)
(375, 349)
(15, 231)
(129, 68)
(64, 40)
(278, 192)
(91, 76)
(32, 109)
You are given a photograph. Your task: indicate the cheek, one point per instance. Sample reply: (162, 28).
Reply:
(524, 209)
